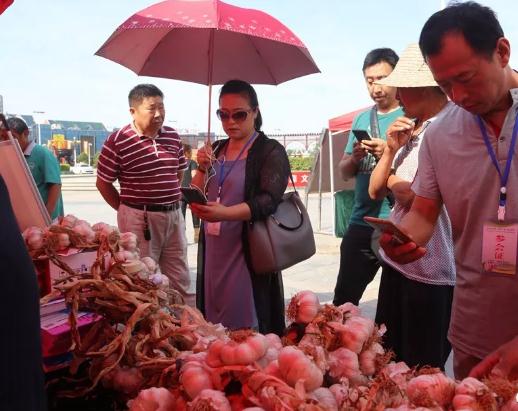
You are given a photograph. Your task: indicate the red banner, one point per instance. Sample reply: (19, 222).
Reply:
(301, 178)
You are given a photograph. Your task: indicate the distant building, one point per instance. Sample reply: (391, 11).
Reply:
(64, 136)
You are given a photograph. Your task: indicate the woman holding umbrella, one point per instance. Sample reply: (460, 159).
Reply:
(244, 177)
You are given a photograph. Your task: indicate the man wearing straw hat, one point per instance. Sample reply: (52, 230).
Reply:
(470, 165)
(414, 300)
(358, 261)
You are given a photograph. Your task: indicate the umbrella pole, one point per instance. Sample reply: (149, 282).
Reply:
(211, 67)
(207, 140)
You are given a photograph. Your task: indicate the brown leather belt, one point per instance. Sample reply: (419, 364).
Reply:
(154, 207)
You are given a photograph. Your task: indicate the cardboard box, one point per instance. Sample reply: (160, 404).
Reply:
(48, 272)
(55, 331)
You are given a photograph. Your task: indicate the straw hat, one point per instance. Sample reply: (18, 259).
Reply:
(410, 71)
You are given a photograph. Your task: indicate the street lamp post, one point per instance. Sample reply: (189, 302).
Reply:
(39, 125)
(89, 153)
(74, 147)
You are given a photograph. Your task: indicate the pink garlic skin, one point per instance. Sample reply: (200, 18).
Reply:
(511, 405)
(367, 358)
(356, 332)
(83, 229)
(34, 238)
(69, 221)
(438, 387)
(153, 399)
(294, 366)
(128, 241)
(343, 363)
(306, 306)
(325, 398)
(194, 378)
(349, 309)
(216, 400)
(467, 393)
(340, 392)
(397, 372)
(63, 241)
(151, 265)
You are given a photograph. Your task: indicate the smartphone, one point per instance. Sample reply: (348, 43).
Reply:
(193, 195)
(361, 135)
(388, 226)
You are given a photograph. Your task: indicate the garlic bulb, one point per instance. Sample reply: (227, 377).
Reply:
(431, 390)
(303, 307)
(295, 366)
(153, 399)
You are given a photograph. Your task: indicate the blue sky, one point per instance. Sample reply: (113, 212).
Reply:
(48, 61)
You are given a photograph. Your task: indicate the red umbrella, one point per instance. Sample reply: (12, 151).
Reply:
(208, 42)
(4, 4)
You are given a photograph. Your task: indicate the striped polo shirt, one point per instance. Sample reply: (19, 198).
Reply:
(147, 168)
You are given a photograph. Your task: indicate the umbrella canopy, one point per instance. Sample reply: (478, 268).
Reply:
(4, 4)
(208, 42)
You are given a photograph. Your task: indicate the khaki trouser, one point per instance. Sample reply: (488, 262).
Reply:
(168, 244)
(463, 363)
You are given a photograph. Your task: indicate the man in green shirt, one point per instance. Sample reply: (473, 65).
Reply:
(358, 262)
(43, 165)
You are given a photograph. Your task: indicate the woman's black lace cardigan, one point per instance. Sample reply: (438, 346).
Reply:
(267, 173)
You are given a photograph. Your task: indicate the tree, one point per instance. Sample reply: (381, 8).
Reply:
(82, 158)
(96, 159)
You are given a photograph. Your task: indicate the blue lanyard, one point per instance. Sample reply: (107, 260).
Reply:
(503, 177)
(222, 175)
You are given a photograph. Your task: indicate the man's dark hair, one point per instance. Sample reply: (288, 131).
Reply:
(17, 125)
(187, 148)
(142, 91)
(478, 24)
(4, 121)
(248, 92)
(379, 55)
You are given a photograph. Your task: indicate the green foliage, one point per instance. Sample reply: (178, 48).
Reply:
(64, 167)
(82, 158)
(300, 163)
(96, 159)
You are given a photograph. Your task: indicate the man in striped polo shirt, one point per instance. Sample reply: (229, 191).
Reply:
(148, 160)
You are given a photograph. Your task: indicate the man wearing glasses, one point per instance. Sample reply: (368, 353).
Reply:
(148, 160)
(358, 262)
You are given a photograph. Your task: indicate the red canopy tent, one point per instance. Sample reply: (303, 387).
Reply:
(343, 122)
(325, 176)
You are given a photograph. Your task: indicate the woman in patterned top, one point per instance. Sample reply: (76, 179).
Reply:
(414, 300)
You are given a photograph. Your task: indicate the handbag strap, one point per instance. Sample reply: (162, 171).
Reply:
(375, 127)
(375, 132)
(293, 182)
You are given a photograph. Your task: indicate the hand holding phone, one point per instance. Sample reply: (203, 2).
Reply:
(193, 195)
(388, 226)
(361, 135)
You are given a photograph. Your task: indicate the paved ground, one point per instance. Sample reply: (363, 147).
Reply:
(317, 274)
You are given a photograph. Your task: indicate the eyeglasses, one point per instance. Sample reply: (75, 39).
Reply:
(238, 116)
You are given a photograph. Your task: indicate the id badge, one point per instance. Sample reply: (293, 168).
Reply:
(499, 244)
(214, 228)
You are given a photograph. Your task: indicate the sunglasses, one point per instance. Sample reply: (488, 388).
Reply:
(238, 116)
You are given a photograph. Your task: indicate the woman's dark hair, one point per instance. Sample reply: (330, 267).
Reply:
(478, 24)
(247, 91)
(379, 55)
